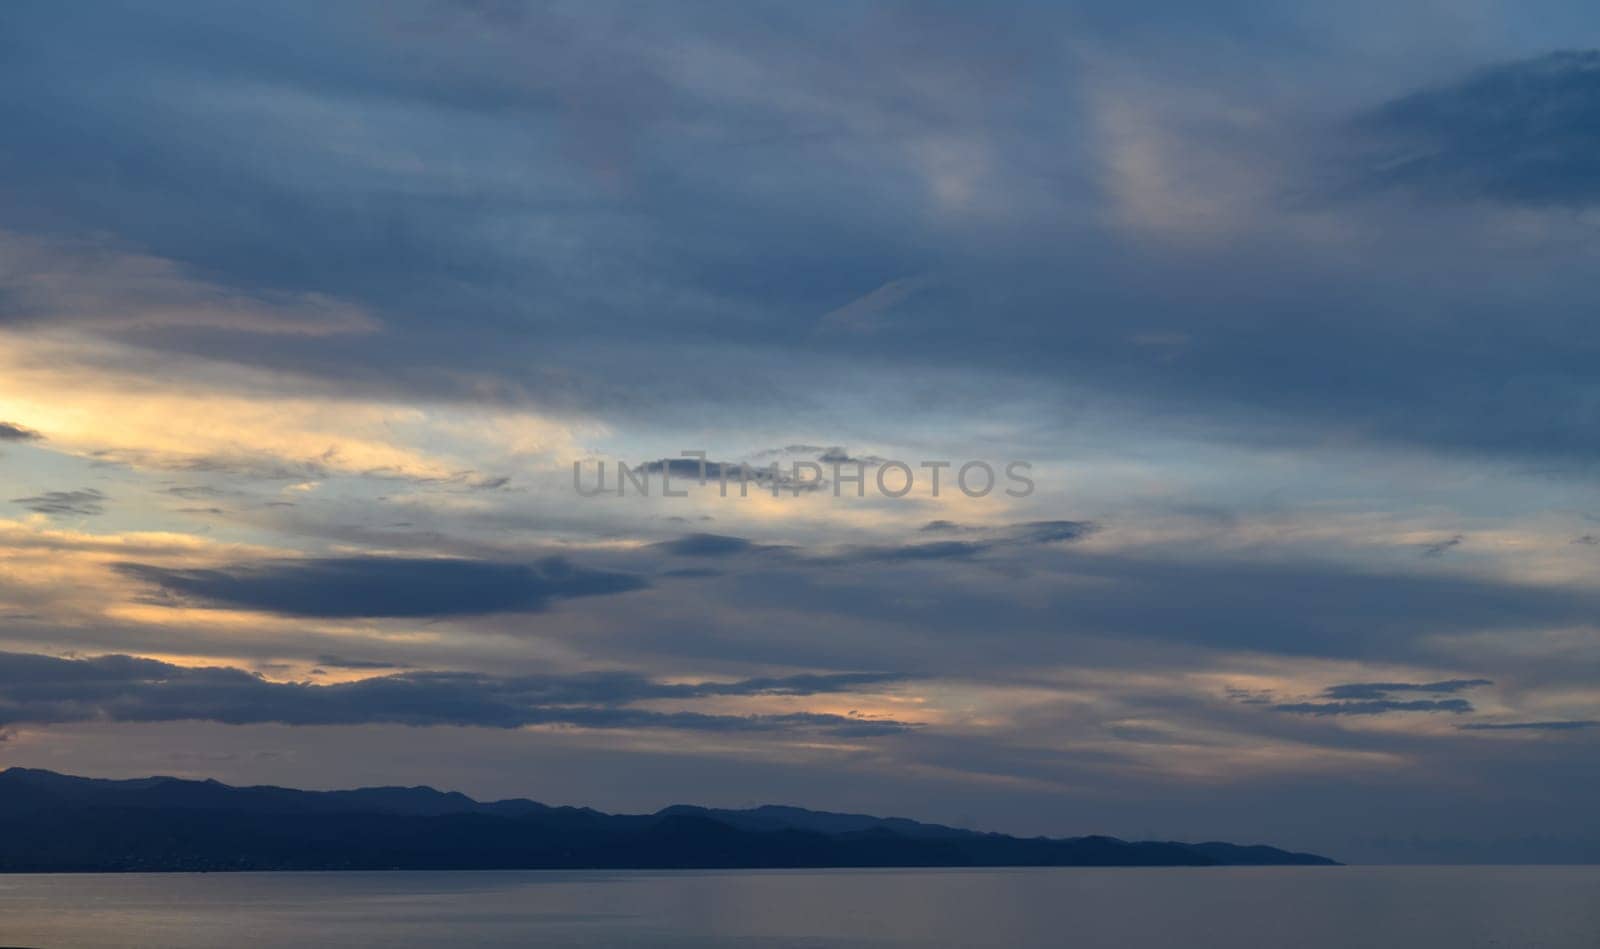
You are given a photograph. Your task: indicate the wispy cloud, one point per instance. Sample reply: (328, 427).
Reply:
(85, 502)
(976, 542)
(1376, 707)
(1553, 726)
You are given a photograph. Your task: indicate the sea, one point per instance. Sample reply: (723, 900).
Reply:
(1144, 908)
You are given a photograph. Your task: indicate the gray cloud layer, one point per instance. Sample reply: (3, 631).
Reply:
(1377, 707)
(386, 586)
(1523, 132)
(1556, 726)
(38, 689)
(1383, 690)
(554, 166)
(1377, 698)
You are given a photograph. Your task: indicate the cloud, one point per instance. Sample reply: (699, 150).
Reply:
(1377, 698)
(1382, 690)
(40, 689)
(874, 310)
(692, 573)
(855, 154)
(992, 538)
(686, 471)
(839, 456)
(794, 449)
(1380, 707)
(1046, 532)
(1030, 533)
(1522, 132)
(341, 662)
(1249, 696)
(12, 432)
(1556, 726)
(84, 283)
(194, 492)
(803, 684)
(84, 503)
(385, 586)
(1438, 548)
(709, 545)
(937, 550)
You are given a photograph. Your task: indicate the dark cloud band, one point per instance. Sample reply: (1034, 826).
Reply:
(37, 689)
(385, 586)
(12, 432)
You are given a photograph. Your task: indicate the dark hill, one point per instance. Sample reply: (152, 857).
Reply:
(53, 822)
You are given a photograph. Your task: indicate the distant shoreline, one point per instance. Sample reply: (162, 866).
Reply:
(54, 823)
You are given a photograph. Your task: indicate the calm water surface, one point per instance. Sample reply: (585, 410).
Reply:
(1312, 907)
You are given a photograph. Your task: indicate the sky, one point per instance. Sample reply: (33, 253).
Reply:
(1283, 311)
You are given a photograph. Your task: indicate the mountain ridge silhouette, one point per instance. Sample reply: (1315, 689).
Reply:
(52, 822)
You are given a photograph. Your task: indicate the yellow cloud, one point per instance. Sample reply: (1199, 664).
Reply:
(93, 398)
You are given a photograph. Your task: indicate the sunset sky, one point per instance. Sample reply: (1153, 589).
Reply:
(307, 312)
